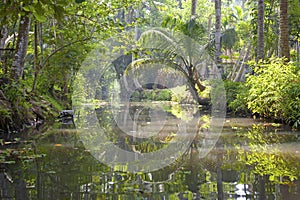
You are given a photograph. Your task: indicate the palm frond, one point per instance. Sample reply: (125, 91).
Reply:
(142, 62)
(161, 39)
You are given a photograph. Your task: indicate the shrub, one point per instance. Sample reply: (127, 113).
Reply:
(164, 95)
(236, 97)
(274, 91)
(135, 96)
(291, 105)
(148, 95)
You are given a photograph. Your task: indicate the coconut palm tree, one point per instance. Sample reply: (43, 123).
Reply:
(194, 7)
(218, 30)
(174, 50)
(284, 30)
(260, 30)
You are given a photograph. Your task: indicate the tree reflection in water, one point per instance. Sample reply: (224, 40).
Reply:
(245, 164)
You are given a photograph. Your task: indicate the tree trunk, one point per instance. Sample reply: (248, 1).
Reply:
(179, 4)
(36, 64)
(262, 187)
(195, 75)
(237, 64)
(284, 30)
(298, 52)
(3, 37)
(240, 73)
(218, 31)
(260, 31)
(209, 28)
(192, 85)
(22, 43)
(136, 38)
(194, 8)
(197, 79)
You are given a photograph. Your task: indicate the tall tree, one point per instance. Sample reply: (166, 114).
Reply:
(260, 30)
(3, 37)
(22, 43)
(194, 7)
(284, 30)
(218, 30)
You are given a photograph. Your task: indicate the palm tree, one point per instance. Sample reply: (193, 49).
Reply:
(284, 30)
(260, 30)
(194, 7)
(218, 31)
(174, 50)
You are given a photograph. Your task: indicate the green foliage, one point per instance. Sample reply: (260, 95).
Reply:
(192, 27)
(56, 106)
(148, 95)
(265, 159)
(274, 91)
(291, 104)
(152, 95)
(5, 116)
(180, 94)
(79, 1)
(79, 94)
(163, 95)
(19, 101)
(135, 96)
(217, 94)
(231, 90)
(229, 38)
(294, 15)
(236, 97)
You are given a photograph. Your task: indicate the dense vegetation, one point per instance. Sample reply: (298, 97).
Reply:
(255, 45)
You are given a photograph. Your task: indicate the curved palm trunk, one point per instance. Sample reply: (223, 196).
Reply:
(284, 30)
(194, 75)
(193, 90)
(260, 30)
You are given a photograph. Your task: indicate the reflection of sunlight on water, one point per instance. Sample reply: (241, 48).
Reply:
(242, 191)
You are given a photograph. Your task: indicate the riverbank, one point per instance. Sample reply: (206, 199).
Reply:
(26, 111)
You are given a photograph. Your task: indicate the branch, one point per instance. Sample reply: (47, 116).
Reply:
(62, 47)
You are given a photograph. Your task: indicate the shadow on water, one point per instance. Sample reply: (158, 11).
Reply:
(251, 160)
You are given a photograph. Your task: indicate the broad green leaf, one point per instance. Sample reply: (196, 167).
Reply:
(38, 17)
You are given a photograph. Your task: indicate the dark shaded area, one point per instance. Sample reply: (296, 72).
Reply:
(121, 63)
(152, 86)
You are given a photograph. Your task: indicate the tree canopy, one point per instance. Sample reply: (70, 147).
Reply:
(43, 43)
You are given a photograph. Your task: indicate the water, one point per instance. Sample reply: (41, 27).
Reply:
(250, 160)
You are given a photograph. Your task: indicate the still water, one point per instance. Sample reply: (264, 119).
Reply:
(250, 159)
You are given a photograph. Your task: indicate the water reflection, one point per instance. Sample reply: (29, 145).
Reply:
(248, 162)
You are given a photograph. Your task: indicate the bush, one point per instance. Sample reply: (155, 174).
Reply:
(148, 95)
(236, 97)
(232, 89)
(16, 108)
(153, 95)
(274, 91)
(291, 105)
(164, 95)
